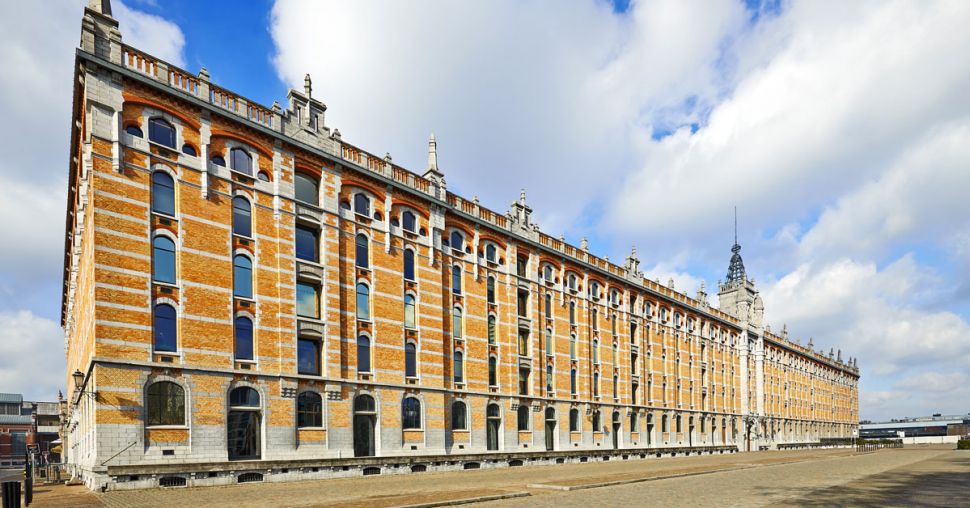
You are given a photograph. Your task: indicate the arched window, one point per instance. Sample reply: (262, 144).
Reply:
(242, 217)
(491, 253)
(188, 149)
(594, 290)
(664, 424)
(165, 404)
(596, 384)
(597, 425)
(218, 160)
(241, 161)
(410, 413)
(410, 360)
(161, 132)
(262, 176)
(523, 417)
(456, 279)
(679, 423)
(361, 257)
(163, 260)
(244, 396)
(573, 420)
(306, 189)
(595, 319)
(549, 341)
(165, 329)
(135, 131)
(459, 367)
(613, 323)
(491, 329)
(309, 410)
(572, 313)
(307, 244)
(459, 415)
(244, 338)
(616, 354)
(361, 204)
(572, 347)
(242, 276)
(363, 353)
(547, 273)
(363, 301)
(572, 381)
(548, 305)
(409, 321)
(571, 281)
(492, 371)
(409, 221)
(490, 289)
(163, 193)
(456, 323)
(457, 241)
(308, 357)
(409, 264)
(549, 378)
(616, 386)
(596, 351)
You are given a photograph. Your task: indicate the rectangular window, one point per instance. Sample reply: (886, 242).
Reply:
(18, 443)
(306, 244)
(523, 302)
(307, 301)
(308, 357)
(523, 342)
(523, 381)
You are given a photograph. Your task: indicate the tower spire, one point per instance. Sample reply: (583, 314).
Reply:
(736, 268)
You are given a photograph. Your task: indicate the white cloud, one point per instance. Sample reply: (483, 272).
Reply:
(155, 35)
(31, 355)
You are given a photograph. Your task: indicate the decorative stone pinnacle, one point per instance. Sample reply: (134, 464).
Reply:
(584, 244)
(387, 156)
(204, 74)
(522, 196)
(670, 283)
(433, 154)
(307, 85)
(102, 6)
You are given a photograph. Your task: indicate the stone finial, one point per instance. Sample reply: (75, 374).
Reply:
(584, 244)
(204, 74)
(101, 6)
(562, 238)
(840, 356)
(670, 283)
(475, 199)
(522, 196)
(831, 352)
(387, 157)
(433, 154)
(276, 107)
(811, 343)
(336, 133)
(307, 85)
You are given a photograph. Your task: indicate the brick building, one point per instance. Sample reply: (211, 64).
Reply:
(27, 425)
(247, 294)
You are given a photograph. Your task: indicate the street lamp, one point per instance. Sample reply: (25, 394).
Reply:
(78, 379)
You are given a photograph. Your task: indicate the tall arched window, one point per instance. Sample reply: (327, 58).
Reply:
(163, 260)
(363, 301)
(549, 341)
(456, 279)
(409, 264)
(409, 319)
(490, 289)
(679, 421)
(363, 353)
(572, 347)
(161, 132)
(522, 416)
(572, 381)
(457, 241)
(491, 329)
(362, 249)
(492, 371)
(548, 305)
(242, 276)
(242, 217)
(664, 424)
(456, 323)
(165, 404)
(491, 253)
(595, 320)
(165, 329)
(597, 426)
(596, 384)
(362, 204)
(616, 386)
(409, 221)
(306, 189)
(240, 160)
(573, 420)
(596, 351)
(459, 416)
(410, 360)
(309, 410)
(163, 193)
(459, 367)
(572, 313)
(244, 338)
(410, 413)
(549, 378)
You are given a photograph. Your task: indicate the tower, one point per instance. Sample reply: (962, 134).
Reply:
(737, 295)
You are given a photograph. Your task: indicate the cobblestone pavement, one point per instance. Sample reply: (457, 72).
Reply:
(751, 479)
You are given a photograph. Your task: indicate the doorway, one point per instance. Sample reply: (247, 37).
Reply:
(493, 424)
(617, 425)
(243, 427)
(550, 429)
(365, 424)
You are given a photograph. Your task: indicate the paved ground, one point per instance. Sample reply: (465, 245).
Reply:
(818, 477)
(11, 475)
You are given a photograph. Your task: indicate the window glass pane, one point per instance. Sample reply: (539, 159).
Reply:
(307, 357)
(134, 130)
(189, 150)
(408, 220)
(241, 161)
(410, 360)
(163, 193)
(409, 311)
(161, 132)
(244, 396)
(361, 253)
(309, 410)
(458, 416)
(165, 329)
(242, 220)
(459, 367)
(409, 264)
(307, 304)
(242, 279)
(491, 290)
(492, 371)
(244, 338)
(306, 244)
(218, 160)
(363, 354)
(523, 417)
(363, 301)
(163, 260)
(456, 323)
(456, 280)
(410, 413)
(457, 241)
(306, 189)
(165, 404)
(361, 204)
(491, 329)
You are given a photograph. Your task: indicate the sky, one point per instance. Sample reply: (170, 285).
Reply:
(839, 130)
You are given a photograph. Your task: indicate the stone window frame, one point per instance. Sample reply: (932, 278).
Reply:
(186, 400)
(323, 408)
(252, 318)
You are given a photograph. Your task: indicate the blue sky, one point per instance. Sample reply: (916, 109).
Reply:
(840, 131)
